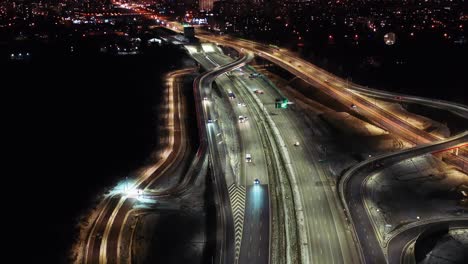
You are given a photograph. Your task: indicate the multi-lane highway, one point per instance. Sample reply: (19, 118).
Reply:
(328, 83)
(225, 234)
(329, 240)
(325, 236)
(255, 248)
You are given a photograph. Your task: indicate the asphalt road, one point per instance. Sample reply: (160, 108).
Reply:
(329, 238)
(225, 228)
(256, 220)
(255, 247)
(103, 240)
(398, 243)
(351, 185)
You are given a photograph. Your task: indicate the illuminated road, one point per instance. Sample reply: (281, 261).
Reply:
(257, 214)
(385, 119)
(225, 233)
(352, 199)
(255, 243)
(329, 240)
(328, 83)
(103, 239)
(334, 86)
(320, 203)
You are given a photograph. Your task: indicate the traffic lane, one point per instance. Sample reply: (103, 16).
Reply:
(257, 226)
(295, 65)
(334, 236)
(322, 228)
(227, 231)
(352, 189)
(363, 226)
(375, 112)
(250, 139)
(249, 131)
(95, 239)
(307, 165)
(113, 238)
(398, 243)
(252, 144)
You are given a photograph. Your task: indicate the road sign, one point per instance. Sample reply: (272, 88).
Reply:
(282, 103)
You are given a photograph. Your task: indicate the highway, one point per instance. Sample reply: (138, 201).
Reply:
(337, 88)
(103, 242)
(334, 86)
(456, 108)
(256, 221)
(400, 128)
(328, 83)
(329, 241)
(225, 230)
(255, 241)
(351, 184)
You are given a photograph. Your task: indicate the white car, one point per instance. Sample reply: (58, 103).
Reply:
(248, 157)
(241, 119)
(296, 143)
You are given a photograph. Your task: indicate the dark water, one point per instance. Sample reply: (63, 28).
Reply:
(75, 125)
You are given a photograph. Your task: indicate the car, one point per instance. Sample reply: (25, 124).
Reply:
(248, 157)
(254, 75)
(353, 106)
(211, 120)
(256, 181)
(205, 98)
(259, 92)
(241, 119)
(398, 97)
(296, 143)
(240, 104)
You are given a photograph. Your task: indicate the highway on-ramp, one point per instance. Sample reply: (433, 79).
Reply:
(351, 186)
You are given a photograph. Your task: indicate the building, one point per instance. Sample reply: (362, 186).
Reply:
(206, 5)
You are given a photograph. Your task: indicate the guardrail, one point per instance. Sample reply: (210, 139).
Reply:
(221, 194)
(273, 155)
(285, 160)
(456, 108)
(390, 159)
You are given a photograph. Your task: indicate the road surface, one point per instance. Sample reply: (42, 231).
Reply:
(251, 143)
(352, 182)
(329, 239)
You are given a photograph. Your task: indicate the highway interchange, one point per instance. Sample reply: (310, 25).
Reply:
(323, 232)
(409, 132)
(330, 241)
